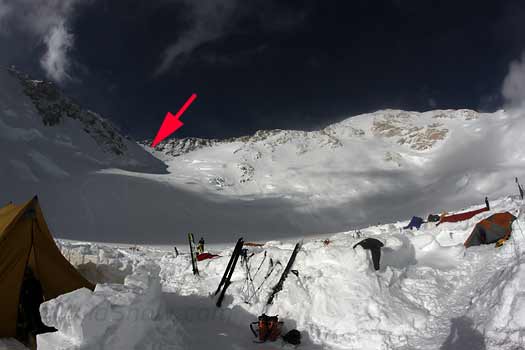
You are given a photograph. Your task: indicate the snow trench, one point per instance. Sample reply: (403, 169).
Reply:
(430, 293)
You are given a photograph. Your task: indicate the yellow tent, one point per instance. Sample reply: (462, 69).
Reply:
(25, 240)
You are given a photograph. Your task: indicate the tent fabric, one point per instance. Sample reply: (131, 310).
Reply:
(463, 216)
(491, 229)
(415, 222)
(25, 240)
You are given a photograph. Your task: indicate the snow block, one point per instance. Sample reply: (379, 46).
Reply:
(114, 316)
(80, 316)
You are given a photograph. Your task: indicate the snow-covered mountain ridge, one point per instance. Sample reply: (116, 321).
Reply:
(314, 163)
(390, 123)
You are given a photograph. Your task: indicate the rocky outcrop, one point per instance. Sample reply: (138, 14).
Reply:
(176, 147)
(54, 108)
(402, 127)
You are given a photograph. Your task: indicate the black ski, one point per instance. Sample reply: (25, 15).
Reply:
(239, 242)
(225, 281)
(520, 188)
(193, 254)
(277, 288)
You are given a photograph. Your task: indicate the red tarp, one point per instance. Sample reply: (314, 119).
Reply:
(204, 256)
(462, 216)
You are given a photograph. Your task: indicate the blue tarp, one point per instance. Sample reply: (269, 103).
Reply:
(415, 222)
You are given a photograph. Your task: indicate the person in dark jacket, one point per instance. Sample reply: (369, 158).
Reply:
(415, 222)
(31, 296)
(374, 245)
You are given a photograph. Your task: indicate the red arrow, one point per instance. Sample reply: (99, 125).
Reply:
(171, 122)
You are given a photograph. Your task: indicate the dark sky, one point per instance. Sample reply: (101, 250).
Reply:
(268, 64)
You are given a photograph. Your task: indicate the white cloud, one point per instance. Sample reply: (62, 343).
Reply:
(513, 89)
(49, 22)
(209, 21)
(4, 9)
(55, 61)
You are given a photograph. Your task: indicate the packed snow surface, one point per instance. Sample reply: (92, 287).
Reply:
(430, 293)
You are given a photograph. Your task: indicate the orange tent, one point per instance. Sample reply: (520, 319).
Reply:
(25, 240)
(492, 229)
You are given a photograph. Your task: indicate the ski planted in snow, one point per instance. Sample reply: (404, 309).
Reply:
(277, 288)
(520, 189)
(225, 281)
(193, 254)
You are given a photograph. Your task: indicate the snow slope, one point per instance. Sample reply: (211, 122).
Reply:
(430, 293)
(55, 137)
(96, 185)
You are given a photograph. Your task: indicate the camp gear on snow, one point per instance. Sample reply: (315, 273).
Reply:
(433, 218)
(200, 246)
(260, 264)
(495, 228)
(205, 256)
(244, 254)
(249, 277)
(251, 244)
(25, 241)
(293, 337)
(464, 216)
(268, 328)
(225, 281)
(374, 245)
(245, 261)
(271, 268)
(519, 188)
(277, 288)
(193, 254)
(415, 222)
(500, 242)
